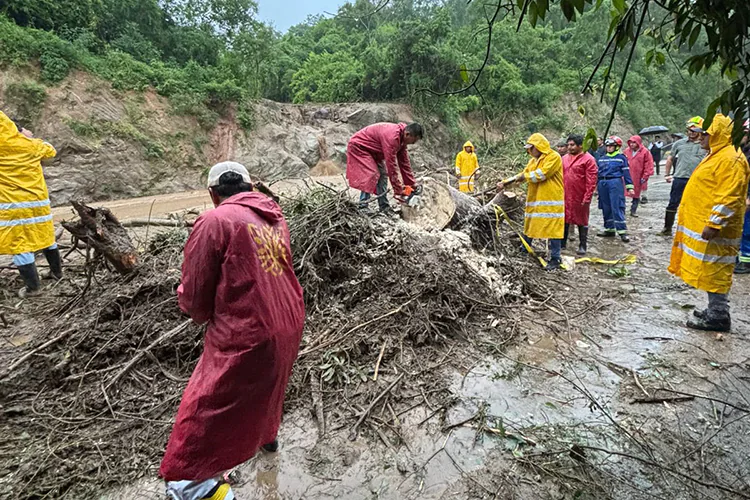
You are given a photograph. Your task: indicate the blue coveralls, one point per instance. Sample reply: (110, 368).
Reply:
(745, 244)
(613, 167)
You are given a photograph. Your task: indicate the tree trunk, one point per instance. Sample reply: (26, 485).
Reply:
(101, 229)
(442, 206)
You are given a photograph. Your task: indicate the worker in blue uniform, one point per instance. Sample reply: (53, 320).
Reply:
(613, 169)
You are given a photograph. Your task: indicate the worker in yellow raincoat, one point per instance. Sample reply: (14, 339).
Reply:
(709, 224)
(467, 167)
(25, 217)
(545, 202)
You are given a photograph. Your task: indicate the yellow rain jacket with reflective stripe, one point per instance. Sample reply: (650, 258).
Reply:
(466, 166)
(545, 202)
(25, 215)
(714, 197)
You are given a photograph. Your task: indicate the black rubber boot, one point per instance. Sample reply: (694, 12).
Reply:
(607, 234)
(30, 279)
(583, 239)
(564, 243)
(272, 447)
(669, 218)
(710, 325)
(55, 263)
(553, 264)
(742, 268)
(634, 207)
(644, 200)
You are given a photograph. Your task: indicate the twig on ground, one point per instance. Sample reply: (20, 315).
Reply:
(355, 429)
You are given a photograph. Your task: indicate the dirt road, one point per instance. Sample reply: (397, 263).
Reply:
(165, 204)
(608, 395)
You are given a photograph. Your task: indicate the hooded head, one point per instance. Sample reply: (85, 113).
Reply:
(470, 147)
(635, 143)
(8, 129)
(540, 143)
(719, 133)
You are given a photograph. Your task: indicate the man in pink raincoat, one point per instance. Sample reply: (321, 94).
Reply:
(641, 168)
(378, 151)
(580, 178)
(238, 278)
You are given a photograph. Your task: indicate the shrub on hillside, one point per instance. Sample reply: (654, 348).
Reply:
(25, 100)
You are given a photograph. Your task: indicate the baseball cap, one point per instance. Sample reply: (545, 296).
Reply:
(227, 166)
(695, 124)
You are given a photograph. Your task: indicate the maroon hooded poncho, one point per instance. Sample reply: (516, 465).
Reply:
(381, 142)
(641, 166)
(580, 178)
(237, 277)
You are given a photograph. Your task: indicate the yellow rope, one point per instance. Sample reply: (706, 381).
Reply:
(499, 211)
(628, 259)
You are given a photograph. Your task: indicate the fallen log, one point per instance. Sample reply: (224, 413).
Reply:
(444, 207)
(101, 229)
(157, 223)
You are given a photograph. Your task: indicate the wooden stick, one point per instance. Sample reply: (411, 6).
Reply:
(638, 383)
(29, 354)
(317, 397)
(156, 222)
(377, 364)
(171, 333)
(355, 428)
(670, 399)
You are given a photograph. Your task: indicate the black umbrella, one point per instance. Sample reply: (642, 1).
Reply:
(656, 129)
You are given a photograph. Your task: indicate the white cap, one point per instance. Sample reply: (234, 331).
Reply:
(227, 166)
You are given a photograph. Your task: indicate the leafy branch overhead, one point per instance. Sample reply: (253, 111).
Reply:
(717, 30)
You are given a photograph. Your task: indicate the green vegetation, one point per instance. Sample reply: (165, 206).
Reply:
(27, 98)
(206, 55)
(98, 129)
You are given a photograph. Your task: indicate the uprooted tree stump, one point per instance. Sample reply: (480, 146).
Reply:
(101, 229)
(444, 207)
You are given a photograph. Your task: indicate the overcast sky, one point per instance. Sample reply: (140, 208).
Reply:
(285, 13)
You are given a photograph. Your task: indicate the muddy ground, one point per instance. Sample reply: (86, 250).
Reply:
(606, 395)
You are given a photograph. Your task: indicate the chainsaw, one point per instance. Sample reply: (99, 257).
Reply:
(413, 196)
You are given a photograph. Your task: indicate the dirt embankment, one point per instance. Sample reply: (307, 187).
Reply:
(113, 144)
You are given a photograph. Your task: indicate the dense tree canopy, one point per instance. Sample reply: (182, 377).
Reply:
(435, 54)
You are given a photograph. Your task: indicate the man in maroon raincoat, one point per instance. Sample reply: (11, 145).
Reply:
(641, 168)
(579, 178)
(378, 151)
(238, 278)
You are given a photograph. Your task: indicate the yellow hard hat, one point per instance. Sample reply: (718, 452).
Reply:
(695, 124)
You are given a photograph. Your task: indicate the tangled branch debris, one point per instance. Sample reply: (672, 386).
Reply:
(92, 408)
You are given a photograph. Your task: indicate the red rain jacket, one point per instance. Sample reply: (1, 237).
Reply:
(641, 165)
(381, 142)
(237, 277)
(580, 178)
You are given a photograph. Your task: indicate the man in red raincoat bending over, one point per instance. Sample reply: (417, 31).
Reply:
(379, 150)
(237, 277)
(641, 168)
(580, 178)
